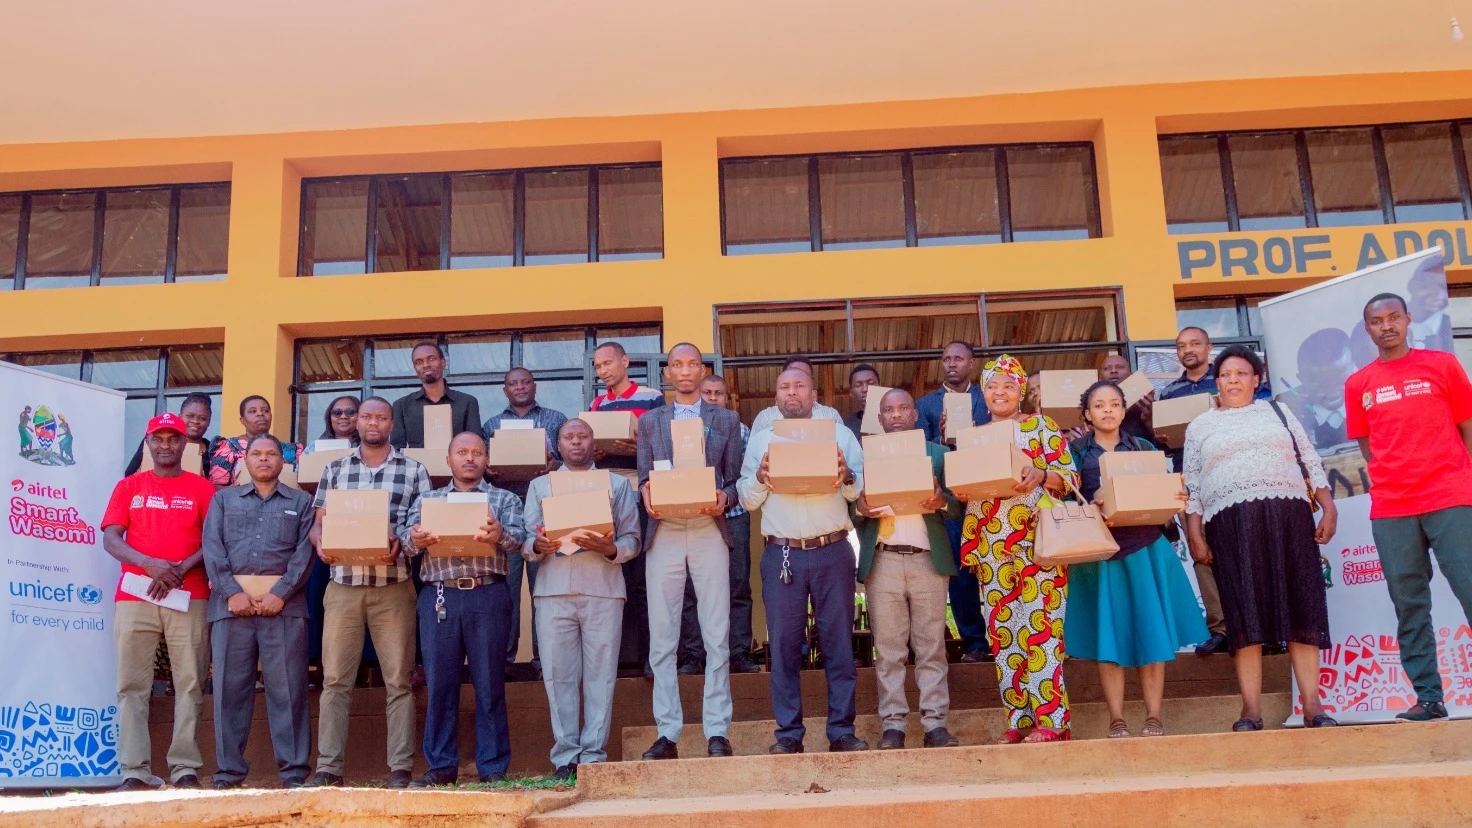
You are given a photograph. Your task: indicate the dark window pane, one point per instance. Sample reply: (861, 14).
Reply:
(194, 367)
(630, 214)
(135, 232)
(9, 239)
(560, 395)
(1265, 172)
(765, 205)
(59, 245)
(63, 363)
(1011, 323)
(863, 202)
(336, 361)
(482, 220)
(409, 219)
(336, 235)
(204, 234)
(479, 354)
(550, 350)
(1218, 317)
(137, 411)
(394, 357)
(490, 397)
(912, 326)
(556, 217)
(1195, 200)
(1423, 173)
(634, 340)
(1346, 186)
(956, 198)
(1052, 193)
(392, 394)
(311, 410)
(125, 370)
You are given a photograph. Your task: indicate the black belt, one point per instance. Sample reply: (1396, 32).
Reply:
(472, 581)
(807, 543)
(901, 549)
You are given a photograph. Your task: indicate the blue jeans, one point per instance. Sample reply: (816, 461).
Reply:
(477, 622)
(965, 595)
(826, 575)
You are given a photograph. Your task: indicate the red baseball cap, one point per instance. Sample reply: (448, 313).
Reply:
(166, 421)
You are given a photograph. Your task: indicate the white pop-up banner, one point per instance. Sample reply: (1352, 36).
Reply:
(1315, 339)
(58, 700)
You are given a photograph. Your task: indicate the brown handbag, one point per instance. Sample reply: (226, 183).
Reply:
(1071, 533)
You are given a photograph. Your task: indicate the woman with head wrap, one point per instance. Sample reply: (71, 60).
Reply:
(1023, 600)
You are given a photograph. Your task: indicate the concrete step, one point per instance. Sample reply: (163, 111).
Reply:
(1343, 749)
(1202, 714)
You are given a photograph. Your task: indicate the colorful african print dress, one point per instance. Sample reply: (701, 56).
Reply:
(1024, 601)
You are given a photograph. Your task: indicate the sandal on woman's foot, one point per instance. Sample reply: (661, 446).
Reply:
(1048, 734)
(1010, 737)
(1244, 725)
(1153, 727)
(1118, 729)
(1321, 720)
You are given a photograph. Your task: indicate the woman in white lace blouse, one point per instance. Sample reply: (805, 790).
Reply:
(1249, 517)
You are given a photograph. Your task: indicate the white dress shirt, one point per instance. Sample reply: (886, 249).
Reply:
(800, 516)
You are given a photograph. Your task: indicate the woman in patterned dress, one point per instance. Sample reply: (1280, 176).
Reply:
(1024, 601)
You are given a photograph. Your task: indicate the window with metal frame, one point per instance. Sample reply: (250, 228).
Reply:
(909, 198)
(116, 236)
(155, 380)
(476, 362)
(482, 219)
(1334, 177)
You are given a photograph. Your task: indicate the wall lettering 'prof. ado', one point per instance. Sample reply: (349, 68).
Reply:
(1314, 254)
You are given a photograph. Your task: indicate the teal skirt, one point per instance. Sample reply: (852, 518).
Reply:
(1132, 612)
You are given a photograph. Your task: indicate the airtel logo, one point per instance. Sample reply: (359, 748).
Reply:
(38, 489)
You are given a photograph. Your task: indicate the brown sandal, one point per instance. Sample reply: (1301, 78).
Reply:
(1119, 729)
(1153, 727)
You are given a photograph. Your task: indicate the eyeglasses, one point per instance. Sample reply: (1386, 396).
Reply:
(344, 412)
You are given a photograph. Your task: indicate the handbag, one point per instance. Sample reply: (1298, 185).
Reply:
(1071, 533)
(1313, 504)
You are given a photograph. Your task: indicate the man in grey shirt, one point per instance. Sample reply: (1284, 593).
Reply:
(257, 551)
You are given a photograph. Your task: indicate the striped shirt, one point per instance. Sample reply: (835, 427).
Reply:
(635, 398)
(547, 419)
(504, 505)
(405, 479)
(738, 510)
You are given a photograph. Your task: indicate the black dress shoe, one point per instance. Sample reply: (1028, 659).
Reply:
(399, 779)
(786, 744)
(847, 744)
(225, 785)
(1423, 712)
(940, 737)
(744, 663)
(692, 668)
(1216, 644)
(188, 780)
(718, 746)
(294, 782)
(892, 740)
(323, 779)
(133, 783)
(492, 778)
(975, 656)
(566, 773)
(430, 779)
(662, 749)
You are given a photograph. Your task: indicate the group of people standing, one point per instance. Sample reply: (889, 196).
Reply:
(1252, 485)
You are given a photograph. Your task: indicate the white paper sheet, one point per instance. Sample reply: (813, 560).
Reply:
(137, 586)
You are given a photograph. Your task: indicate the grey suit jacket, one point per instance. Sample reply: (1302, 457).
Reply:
(723, 452)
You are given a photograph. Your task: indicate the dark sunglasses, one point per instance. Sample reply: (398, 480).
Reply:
(344, 412)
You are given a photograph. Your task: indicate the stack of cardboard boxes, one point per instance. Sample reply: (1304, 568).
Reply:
(1136, 489)
(897, 472)
(987, 464)
(803, 457)
(683, 486)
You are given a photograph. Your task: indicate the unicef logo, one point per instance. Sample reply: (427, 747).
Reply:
(89, 595)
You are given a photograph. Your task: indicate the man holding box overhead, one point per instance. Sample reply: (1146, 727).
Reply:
(379, 597)
(906, 563)
(807, 556)
(429, 367)
(465, 616)
(579, 597)
(696, 545)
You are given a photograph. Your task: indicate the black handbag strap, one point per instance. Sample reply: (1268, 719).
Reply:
(1277, 409)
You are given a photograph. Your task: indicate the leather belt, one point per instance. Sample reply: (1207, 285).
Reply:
(901, 549)
(473, 581)
(807, 543)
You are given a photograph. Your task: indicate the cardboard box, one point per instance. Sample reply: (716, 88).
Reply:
(897, 444)
(255, 586)
(191, 461)
(437, 429)
(805, 431)
(456, 522)
(1140, 499)
(872, 400)
(1169, 418)
(309, 467)
(609, 426)
(900, 482)
(355, 528)
(957, 408)
(803, 468)
(435, 462)
(987, 472)
(682, 493)
(999, 433)
(1114, 464)
(517, 453)
(687, 439)
(564, 514)
(572, 482)
(1135, 387)
(1061, 392)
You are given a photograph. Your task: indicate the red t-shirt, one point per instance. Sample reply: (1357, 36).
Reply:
(162, 517)
(1410, 408)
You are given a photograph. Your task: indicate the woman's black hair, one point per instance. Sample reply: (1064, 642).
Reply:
(1083, 401)
(328, 433)
(1240, 352)
(252, 398)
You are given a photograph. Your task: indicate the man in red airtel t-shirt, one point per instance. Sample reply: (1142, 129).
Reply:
(153, 526)
(1411, 411)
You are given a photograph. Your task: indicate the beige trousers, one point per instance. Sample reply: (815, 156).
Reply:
(907, 610)
(388, 613)
(137, 628)
(1211, 599)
